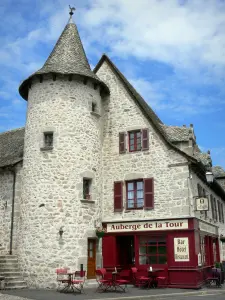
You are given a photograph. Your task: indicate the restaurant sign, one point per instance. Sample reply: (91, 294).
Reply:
(181, 249)
(147, 226)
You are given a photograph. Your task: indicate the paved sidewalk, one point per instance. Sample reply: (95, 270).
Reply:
(133, 293)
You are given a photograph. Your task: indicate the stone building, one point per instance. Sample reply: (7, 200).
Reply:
(94, 154)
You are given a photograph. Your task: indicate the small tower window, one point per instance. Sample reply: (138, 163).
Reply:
(87, 188)
(48, 139)
(93, 107)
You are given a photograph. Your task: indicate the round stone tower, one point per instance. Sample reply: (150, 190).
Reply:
(61, 187)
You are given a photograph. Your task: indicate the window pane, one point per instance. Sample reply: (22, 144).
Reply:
(162, 259)
(142, 250)
(162, 250)
(152, 250)
(130, 204)
(153, 259)
(130, 186)
(140, 194)
(142, 260)
(130, 195)
(140, 202)
(140, 185)
(138, 133)
(131, 135)
(90, 253)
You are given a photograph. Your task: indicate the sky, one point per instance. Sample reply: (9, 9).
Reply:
(172, 51)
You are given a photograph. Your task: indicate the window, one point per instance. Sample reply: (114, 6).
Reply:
(139, 194)
(222, 215)
(135, 194)
(138, 140)
(203, 249)
(215, 210)
(93, 107)
(212, 207)
(219, 211)
(223, 250)
(152, 250)
(48, 139)
(135, 141)
(86, 188)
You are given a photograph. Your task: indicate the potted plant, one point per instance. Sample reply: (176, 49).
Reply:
(100, 232)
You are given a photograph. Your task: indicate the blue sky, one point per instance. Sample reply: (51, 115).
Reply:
(173, 52)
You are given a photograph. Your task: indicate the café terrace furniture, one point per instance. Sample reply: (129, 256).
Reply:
(61, 277)
(140, 278)
(114, 283)
(119, 283)
(156, 280)
(214, 278)
(103, 283)
(78, 280)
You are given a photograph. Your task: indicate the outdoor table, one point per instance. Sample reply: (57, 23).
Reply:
(69, 285)
(153, 275)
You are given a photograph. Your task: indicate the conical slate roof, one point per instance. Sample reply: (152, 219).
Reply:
(67, 57)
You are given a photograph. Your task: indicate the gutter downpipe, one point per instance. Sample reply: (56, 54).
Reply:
(12, 214)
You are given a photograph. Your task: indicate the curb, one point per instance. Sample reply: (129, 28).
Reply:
(146, 297)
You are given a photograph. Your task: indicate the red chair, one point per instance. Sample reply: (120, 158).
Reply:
(121, 282)
(78, 281)
(140, 278)
(162, 280)
(62, 277)
(103, 284)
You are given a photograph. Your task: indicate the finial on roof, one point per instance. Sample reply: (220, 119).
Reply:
(72, 9)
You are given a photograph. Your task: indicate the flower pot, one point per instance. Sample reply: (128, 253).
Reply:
(100, 234)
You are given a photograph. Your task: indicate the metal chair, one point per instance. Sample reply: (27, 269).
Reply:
(78, 281)
(61, 277)
(214, 278)
(140, 278)
(103, 284)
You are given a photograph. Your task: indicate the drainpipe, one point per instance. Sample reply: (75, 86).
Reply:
(12, 214)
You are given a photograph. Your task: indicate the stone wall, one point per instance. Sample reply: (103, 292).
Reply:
(169, 169)
(6, 195)
(52, 193)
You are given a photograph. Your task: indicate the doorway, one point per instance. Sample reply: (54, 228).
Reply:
(125, 250)
(91, 263)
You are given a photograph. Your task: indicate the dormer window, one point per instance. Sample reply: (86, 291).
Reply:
(48, 139)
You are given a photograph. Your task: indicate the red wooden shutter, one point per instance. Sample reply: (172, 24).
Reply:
(145, 139)
(109, 251)
(122, 142)
(148, 193)
(118, 196)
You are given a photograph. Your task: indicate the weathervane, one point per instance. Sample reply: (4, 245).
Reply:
(72, 9)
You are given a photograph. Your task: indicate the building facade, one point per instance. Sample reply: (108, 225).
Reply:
(93, 154)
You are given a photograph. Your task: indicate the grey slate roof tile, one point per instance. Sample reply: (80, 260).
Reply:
(218, 171)
(11, 147)
(176, 133)
(67, 57)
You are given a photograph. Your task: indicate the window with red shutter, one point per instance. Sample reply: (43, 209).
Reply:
(148, 193)
(118, 196)
(145, 139)
(135, 194)
(122, 142)
(215, 210)
(134, 140)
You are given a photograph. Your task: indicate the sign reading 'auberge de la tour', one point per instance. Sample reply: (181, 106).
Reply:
(147, 226)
